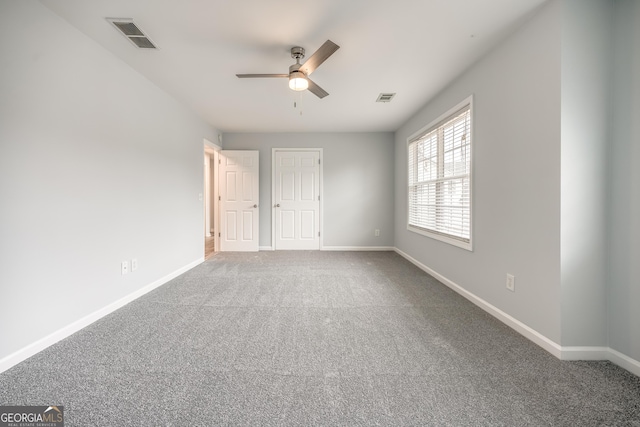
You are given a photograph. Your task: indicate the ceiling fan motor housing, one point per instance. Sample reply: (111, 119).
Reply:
(297, 53)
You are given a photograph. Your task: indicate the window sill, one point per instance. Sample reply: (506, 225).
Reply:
(442, 238)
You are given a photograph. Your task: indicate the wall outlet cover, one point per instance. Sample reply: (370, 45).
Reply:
(511, 282)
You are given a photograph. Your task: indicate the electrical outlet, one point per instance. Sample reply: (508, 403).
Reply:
(134, 265)
(125, 267)
(376, 232)
(511, 282)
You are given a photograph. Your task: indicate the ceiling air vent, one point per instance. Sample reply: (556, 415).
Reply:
(131, 31)
(385, 97)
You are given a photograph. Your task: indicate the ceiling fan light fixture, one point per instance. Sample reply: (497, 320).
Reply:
(298, 81)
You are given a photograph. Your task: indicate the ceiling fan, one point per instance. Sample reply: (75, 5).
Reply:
(299, 73)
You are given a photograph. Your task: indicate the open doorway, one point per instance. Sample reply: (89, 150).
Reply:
(211, 242)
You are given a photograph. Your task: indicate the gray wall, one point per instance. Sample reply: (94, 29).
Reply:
(97, 166)
(586, 105)
(358, 183)
(624, 224)
(556, 187)
(516, 173)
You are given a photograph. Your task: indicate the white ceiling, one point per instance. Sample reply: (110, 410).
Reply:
(411, 47)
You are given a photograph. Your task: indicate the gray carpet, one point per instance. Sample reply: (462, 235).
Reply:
(314, 338)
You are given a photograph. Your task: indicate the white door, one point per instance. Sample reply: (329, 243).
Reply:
(297, 200)
(239, 212)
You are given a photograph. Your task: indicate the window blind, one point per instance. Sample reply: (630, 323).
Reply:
(439, 164)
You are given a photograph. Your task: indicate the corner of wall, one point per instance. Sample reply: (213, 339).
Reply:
(585, 92)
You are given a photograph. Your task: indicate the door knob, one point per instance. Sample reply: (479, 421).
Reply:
(278, 205)
(255, 206)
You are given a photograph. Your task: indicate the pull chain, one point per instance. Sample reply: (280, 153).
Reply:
(297, 102)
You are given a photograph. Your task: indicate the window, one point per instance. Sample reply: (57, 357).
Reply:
(439, 163)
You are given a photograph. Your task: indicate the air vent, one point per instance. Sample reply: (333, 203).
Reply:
(131, 31)
(385, 97)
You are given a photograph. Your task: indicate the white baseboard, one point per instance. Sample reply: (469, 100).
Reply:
(584, 353)
(510, 321)
(342, 248)
(563, 353)
(36, 347)
(624, 361)
(357, 248)
(601, 353)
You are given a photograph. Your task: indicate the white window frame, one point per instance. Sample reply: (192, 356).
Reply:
(450, 239)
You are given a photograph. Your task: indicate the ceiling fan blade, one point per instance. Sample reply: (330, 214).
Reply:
(254, 76)
(316, 90)
(319, 56)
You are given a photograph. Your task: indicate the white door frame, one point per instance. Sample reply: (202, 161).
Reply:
(207, 192)
(208, 147)
(273, 193)
(216, 201)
